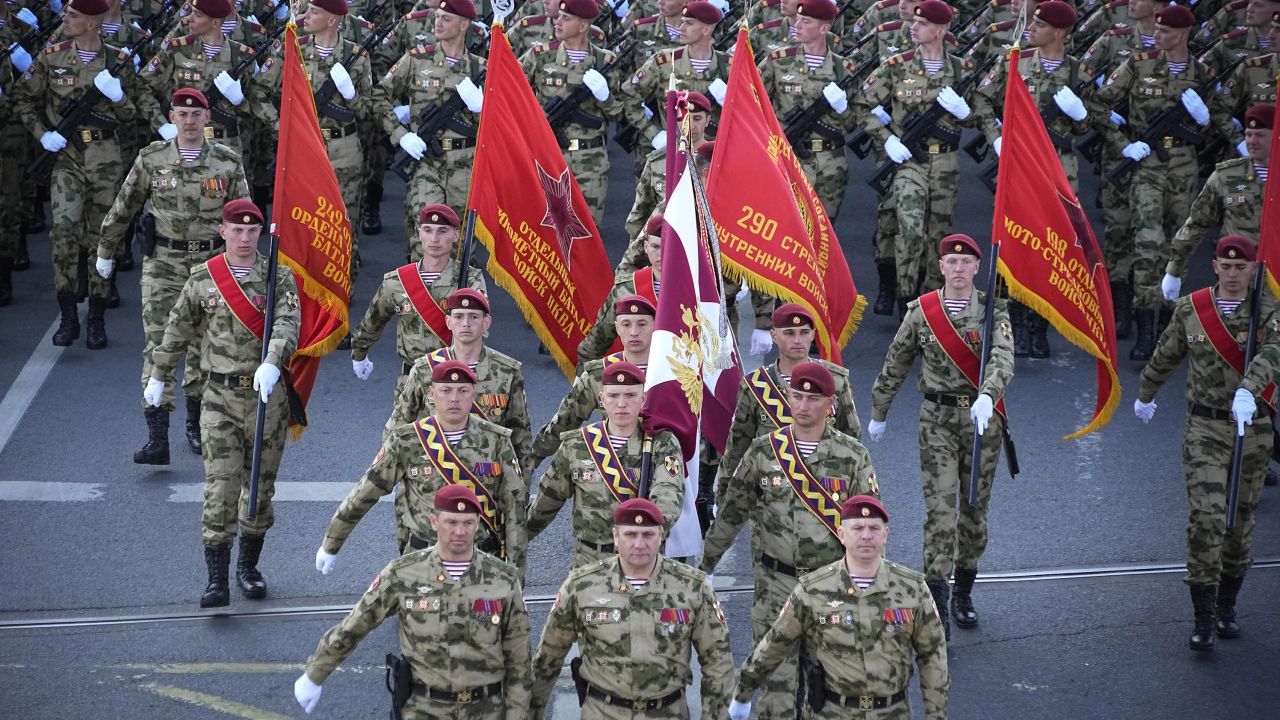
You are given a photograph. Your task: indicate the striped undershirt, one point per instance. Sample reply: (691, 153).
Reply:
(189, 154)
(1147, 40)
(453, 437)
(451, 61)
(955, 307)
(211, 51)
(1260, 169)
(228, 26)
(428, 277)
(575, 56)
(931, 66)
(618, 441)
(1226, 307)
(786, 379)
(813, 62)
(673, 31)
(1176, 68)
(323, 51)
(111, 28)
(806, 446)
(657, 286)
(644, 367)
(791, 32)
(86, 56)
(700, 65)
(1264, 42)
(1050, 65)
(240, 271)
(637, 583)
(456, 569)
(1026, 34)
(862, 582)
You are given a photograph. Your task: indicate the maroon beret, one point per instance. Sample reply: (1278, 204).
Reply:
(824, 10)
(467, 299)
(585, 9)
(337, 7)
(959, 244)
(189, 97)
(702, 11)
(463, 8)
(1057, 13)
(457, 498)
(654, 226)
(92, 8)
(622, 373)
(1175, 16)
(438, 215)
(812, 377)
(935, 11)
(1260, 116)
(241, 212)
(634, 305)
(860, 506)
(791, 315)
(640, 512)
(1234, 247)
(698, 101)
(706, 149)
(217, 9)
(452, 371)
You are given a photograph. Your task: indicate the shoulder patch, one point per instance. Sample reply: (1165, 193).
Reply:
(241, 47)
(423, 50)
(1120, 31)
(1260, 60)
(1148, 55)
(889, 26)
(646, 20)
(597, 34)
(1239, 32)
(419, 14)
(59, 47)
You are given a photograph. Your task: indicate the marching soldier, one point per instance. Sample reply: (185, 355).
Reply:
(221, 308)
(944, 328)
(598, 467)
(651, 188)
(835, 608)
(603, 336)
(15, 140)
(448, 447)
(1209, 328)
(1251, 39)
(1252, 83)
(657, 33)
(534, 30)
(637, 619)
(464, 629)
(790, 483)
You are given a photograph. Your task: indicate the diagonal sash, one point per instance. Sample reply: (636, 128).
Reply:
(813, 496)
(1221, 339)
(643, 280)
(454, 471)
(768, 393)
(957, 350)
(253, 319)
(612, 474)
(423, 303)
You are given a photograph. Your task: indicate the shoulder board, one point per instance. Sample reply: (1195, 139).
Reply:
(658, 154)
(423, 50)
(667, 56)
(246, 49)
(1238, 5)
(1001, 26)
(304, 40)
(585, 570)
(217, 148)
(391, 275)
(849, 65)
(999, 3)
(886, 4)
(568, 436)
(59, 47)
(835, 369)
(545, 47)
(770, 24)
(154, 147)
(822, 573)
(256, 27)
(365, 24)
(1148, 55)
(183, 41)
(646, 20)
(1231, 163)
(122, 54)
(1116, 4)
(785, 52)
(607, 55)
(901, 58)
(1260, 60)
(503, 359)
(497, 565)
(769, 3)
(419, 14)
(1119, 32)
(687, 572)
(889, 26)
(534, 21)
(596, 33)
(904, 571)
(1238, 32)
(490, 427)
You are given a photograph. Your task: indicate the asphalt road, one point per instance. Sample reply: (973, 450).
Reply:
(90, 534)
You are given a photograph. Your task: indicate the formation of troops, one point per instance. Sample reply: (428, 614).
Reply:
(148, 128)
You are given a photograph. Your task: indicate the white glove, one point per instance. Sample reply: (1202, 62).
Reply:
(1136, 151)
(168, 131)
(953, 103)
(836, 98)
(981, 412)
(362, 368)
(875, 430)
(881, 115)
(282, 11)
(19, 56)
(471, 95)
(55, 6)
(1244, 151)
(596, 83)
(28, 17)
(264, 380)
(648, 114)
(739, 711)
(402, 114)
(659, 141)
(325, 561)
(253, 19)
(53, 141)
(153, 392)
(306, 692)
(1117, 119)
(1070, 104)
(761, 342)
(104, 266)
(109, 86)
(896, 150)
(1243, 406)
(342, 80)
(621, 9)
(995, 145)
(1195, 107)
(717, 88)
(1169, 286)
(229, 87)
(413, 145)
(1144, 411)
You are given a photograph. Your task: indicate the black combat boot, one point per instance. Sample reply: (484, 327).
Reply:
(1122, 302)
(888, 288)
(1021, 333)
(370, 213)
(193, 425)
(1038, 328)
(22, 260)
(247, 576)
(82, 277)
(96, 324)
(6, 281)
(156, 451)
(706, 500)
(962, 598)
(69, 323)
(218, 560)
(1226, 625)
(1203, 598)
(941, 593)
(1145, 343)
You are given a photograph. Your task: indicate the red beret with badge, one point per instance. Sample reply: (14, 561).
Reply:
(702, 11)
(791, 315)
(438, 215)
(217, 9)
(634, 305)
(1260, 117)
(824, 10)
(935, 11)
(462, 8)
(639, 512)
(585, 9)
(453, 371)
(654, 226)
(706, 150)
(241, 212)
(467, 299)
(92, 8)
(1175, 17)
(1235, 247)
(959, 244)
(457, 498)
(189, 97)
(1058, 14)
(812, 377)
(697, 101)
(863, 506)
(622, 373)
(337, 7)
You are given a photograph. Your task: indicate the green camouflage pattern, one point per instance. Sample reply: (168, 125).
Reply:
(1252, 83)
(1230, 203)
(582, 400)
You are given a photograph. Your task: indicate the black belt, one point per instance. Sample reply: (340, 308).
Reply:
(189, 245)
(219, 132)
(405, 368)
(937, 147)
(95, 134)
(1208, 413)
(634, 705)
(817, 144)
(584, 143)
(866, 702)
(417, 543)
(777, 565)
(463, 696)
(605, 548)
(231, 381)
(452, 143)
(955, 401)
(335, 133)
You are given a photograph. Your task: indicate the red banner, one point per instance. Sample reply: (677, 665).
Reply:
(1269, 231)
(1048, 255)
(311, 220)
(543, 245)
(774, 232)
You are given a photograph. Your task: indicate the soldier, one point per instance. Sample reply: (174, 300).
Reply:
(84, 176)
(429, 75)
(603, 337)
(925, 193)
(221, 307)
(448, 447)
(14, 143)
(637, 618)
(534, 30)
(833, 609)
(598, 467)
(415, 293)
(944, 328)
(1161, 189)
(790, 483)
(1249, 40)
(1252, 83)
(651, 188)
(1209, 328)
(375, 142)
(464, 629)
(185, 182)
(657, 33)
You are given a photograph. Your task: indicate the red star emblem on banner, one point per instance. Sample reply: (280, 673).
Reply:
(560, 214)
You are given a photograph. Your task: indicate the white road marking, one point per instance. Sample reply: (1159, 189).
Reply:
(27, 384)
(285, 492)
(24, 490)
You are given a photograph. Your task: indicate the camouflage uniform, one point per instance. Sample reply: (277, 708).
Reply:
(582, 400)
(1230, 202)
(946, 431)
(573, 476)
(865, 640)
(787, 539)
(1242, 42)
(602, 336)
(1252, 83)
(15, 142)
(779, 34)
(535, 30)
(649, 85)
(637, 644)
(1227, 18)
(651, 34)
(231, 355)
(651, 196)
(450, 644)
(376, 145)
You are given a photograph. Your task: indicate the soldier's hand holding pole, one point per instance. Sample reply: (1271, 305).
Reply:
(981, 412)
(265, 379)
(875, 430)
(1243, 406)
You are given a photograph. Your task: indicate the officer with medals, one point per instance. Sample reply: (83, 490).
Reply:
(790, 483)
(598, 467)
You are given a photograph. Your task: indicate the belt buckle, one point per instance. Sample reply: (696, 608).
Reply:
(326, 133)
(446, 143)
(962, 401)
(246, 381)
(193, 246)
(866, 702)
(208, 132)
(816, 144)
(935, 148)
(573, 144)
(464, 696)
(639, 705)
(86, 135)
(1168, 142)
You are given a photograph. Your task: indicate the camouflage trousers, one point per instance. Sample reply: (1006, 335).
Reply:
(590, 168)
(886, 229)
(435, 180)
(1212, 550)
(828, 170)
(925, 194)
(778, 695)
(1159, 196)
(163, 276)
(347, 160)
(14, 195)
(954, 538)
(1117, 216)
(81, 191)
(228, 418)
(421, 707)
(377, 153)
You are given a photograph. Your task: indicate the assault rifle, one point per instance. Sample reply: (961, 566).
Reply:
(212, 93)
(324, 95)
(562, 110)
(433, 118)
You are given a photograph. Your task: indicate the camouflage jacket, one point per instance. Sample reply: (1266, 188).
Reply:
(650, 84)
(988, 99)
(534, 30)
(582, 400)
(1145, 80)
(792, 86)
(455, 634)
(902, 86)
(316, 68)
(413, 338)
(1252, 83)
(603, 334)
(1230, 203)
(553, 77)
(57, 76)
(424, 76)
(651, 32)
(866, 640)
(637, 644)
(183, 64)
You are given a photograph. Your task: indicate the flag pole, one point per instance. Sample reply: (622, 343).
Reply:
(988, 327)
(272, 268)
(1250, 348)
(465, 243)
